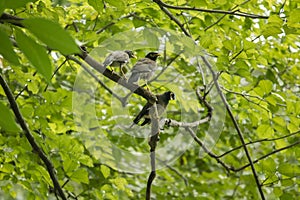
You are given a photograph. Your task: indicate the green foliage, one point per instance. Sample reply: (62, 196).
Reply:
(8, 123)
(35, 53)
(51, 34)
(80, 126)
(7, 49)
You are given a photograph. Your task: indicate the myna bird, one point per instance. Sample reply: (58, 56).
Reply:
(162, 103)
(144, 68)
(118, 59)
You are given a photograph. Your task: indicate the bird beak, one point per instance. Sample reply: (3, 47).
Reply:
(158, 54)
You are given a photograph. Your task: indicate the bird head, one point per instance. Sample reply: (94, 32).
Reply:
(172, 96)
(169, 95)
(130, 54)
(152, 55)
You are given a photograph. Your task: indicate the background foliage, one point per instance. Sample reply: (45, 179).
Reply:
(258, 58)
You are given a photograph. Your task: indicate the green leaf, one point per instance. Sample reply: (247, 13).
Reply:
(120, 183)
(289, 169)
(117, 4)
(52, 34)
(264, 87)
(7, 168)
(249, 45)
(268, 166)
(7, 121)
(35, 53)
(274, 26)
(97, 5)
(13, 4)
(81, 176)
(265, 131)
(293, 19)
(105, 171)
(6, 49)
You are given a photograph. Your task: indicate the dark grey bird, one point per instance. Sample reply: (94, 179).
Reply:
(162, 103)
(118, 59)
(144, 68)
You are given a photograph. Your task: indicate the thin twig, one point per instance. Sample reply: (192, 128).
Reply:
(30, 138)
(235, 12)
(165, 68)
(220, 19)
(172, 17)
(185, 180)
(194, 136)
(257, 141)
(269, 154)
(95, 77)
(55, 71)
(113, 23)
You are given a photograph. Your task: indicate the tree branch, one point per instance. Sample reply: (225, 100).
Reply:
(234, 12)
(172, 17)
(237, 128)
(95, 77)
(262, 140)
(11, 19)
(30, 138)
(152, 143)
(192, 133)
(113, 23)
(269, 154)
(116, 78)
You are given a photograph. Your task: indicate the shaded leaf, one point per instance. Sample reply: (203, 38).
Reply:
(6, 49)
(52, 34)
(13, 4)
(35, 53)
(7, 121)
(97, 5)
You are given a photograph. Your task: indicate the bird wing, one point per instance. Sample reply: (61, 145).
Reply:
(142, 113)
(144, 65)
(108, 61)
(117, 57)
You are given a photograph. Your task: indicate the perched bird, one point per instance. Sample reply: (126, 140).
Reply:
(162, 103)
(118, 59)
(144, 68)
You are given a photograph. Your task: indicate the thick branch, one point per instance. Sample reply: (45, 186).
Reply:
(152, 143)
(95, 77)
(11, 19)
(116, 78)
(31, 139)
